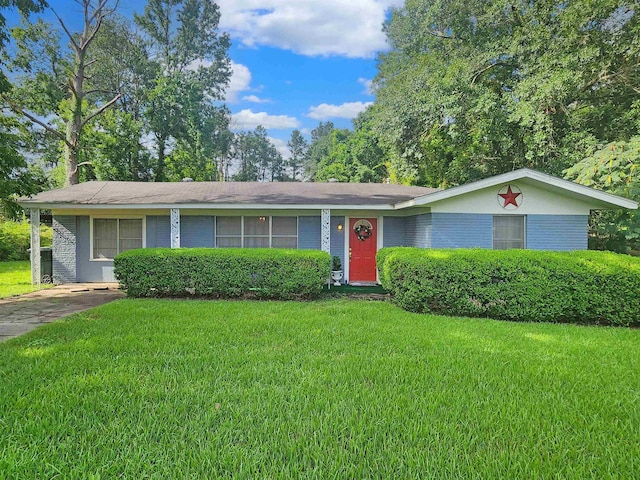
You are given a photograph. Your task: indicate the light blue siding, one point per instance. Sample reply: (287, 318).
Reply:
(557, 232)
(394, 232)
(64, 248)
(337, 237)
(158, 231)
(419, 231)
(197, 231)
(309, 233)
(90, 270)
(461, 230)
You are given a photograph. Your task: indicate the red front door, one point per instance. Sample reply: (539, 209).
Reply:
(363, 243)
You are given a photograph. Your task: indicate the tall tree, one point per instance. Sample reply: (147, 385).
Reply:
(15, 176)
(116, 142)
(66, 76)
(318, 148)
(473, 88)
(257, 157)
(615, 168)
(298, 149)
(194, 70)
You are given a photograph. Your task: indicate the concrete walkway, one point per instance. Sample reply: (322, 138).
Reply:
(23, 313)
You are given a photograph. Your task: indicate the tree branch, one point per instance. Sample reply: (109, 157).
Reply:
(92, 34)
(66, 30)
(99, 90)
(17, 108)
(481, 71)
(442, 35)
(100, 110)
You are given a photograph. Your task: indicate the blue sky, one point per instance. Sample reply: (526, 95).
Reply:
(295, 62)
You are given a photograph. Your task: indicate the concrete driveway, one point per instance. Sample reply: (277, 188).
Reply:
(23, 313)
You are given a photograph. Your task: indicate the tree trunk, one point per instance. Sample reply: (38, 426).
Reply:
(159, 172)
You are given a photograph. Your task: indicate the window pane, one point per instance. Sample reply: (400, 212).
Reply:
(284, 242)
(508, 232)
(284, 226)
(228, 242)
(131, 228)
(104, 227)
(228, 226)
(256, 242)
(256, 226)
(105, 241)
(130, 244)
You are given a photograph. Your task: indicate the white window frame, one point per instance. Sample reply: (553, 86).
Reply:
(115, 217)
(269, 218)
(524, 230)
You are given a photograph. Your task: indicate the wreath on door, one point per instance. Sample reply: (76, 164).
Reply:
(363, 229)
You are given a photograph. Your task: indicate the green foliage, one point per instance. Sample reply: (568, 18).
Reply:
(17, 178)
(336, 263)
(298, 148)
(522, 285)
(614, 169)
(192, 69)
(348, 156)
(472, 88)
(257, 157)
(318, 148)
(15, 240)
(263, 273)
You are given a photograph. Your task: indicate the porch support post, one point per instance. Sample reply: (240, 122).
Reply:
(35, 247)
(325, 231)
(175, 228)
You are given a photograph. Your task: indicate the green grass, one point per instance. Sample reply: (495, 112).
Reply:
(327, 389)
(15, 279)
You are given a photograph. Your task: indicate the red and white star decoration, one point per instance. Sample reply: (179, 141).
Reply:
(510, 197)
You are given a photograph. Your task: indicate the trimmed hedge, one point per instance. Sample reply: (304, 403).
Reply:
(15, 240)
(584, 287)
(267, 273)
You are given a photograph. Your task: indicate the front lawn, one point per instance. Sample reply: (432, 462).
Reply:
(15, 278)
(327, 389)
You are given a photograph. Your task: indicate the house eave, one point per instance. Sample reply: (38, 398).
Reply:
(202, 206)
(604, 199)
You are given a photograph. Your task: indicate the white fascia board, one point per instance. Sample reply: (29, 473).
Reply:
(201, 206)
(608, 198)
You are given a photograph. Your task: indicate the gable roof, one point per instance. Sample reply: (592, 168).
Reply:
(603, 199)
(209, 194)
(97, 194)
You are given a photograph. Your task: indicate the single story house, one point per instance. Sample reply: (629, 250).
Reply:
(95, 221)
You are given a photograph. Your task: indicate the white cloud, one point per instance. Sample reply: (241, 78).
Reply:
(324, 111)
(255, 99)
(367, 83)
(331, 27)
(281, 146)
(248, 120)
(240, 82)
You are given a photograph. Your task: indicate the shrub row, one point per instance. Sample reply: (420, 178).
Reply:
(229, 272)
(524, 285)
(15, 240)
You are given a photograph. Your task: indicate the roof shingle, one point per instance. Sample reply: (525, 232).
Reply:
(248, 193)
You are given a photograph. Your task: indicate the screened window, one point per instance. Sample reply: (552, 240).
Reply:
(257, 232)
(284, 232)
(112, 236)
(229, 232)
(508, 232)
